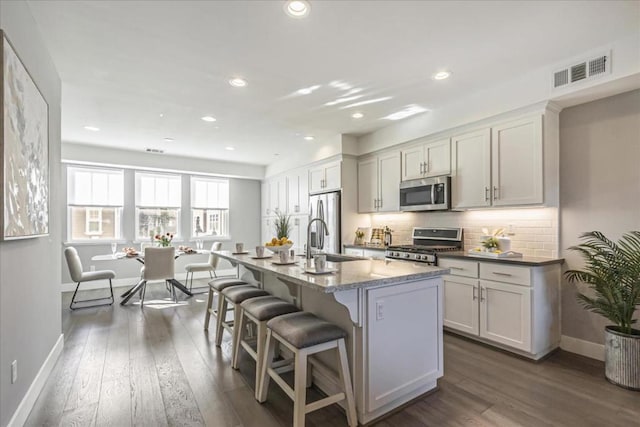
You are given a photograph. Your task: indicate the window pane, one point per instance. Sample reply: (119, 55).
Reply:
(152, 221)
(209, 193)
(156, 190)
(98, 187)
(94, 223)
(209, 222)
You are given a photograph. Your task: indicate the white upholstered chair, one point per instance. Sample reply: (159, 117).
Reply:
(209, 266)
(79, 276)
(159, 264)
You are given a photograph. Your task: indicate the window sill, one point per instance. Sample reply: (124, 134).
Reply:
(104, 242)
(211, 238)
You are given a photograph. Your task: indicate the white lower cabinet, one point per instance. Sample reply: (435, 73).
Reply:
(461, 304)
(505, 314)
(512, 306)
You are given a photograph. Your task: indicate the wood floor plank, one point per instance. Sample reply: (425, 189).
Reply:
(147, 407)
(87, 383)
(114, 409)
(214, 406)
(83, 416)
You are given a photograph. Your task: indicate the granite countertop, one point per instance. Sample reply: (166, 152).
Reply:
(526, 260)
(374, 247)
(350, 275)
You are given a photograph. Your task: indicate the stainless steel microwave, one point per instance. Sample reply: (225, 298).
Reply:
(428, 194)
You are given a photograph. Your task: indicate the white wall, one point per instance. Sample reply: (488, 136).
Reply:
(599, 189)
(30, 320)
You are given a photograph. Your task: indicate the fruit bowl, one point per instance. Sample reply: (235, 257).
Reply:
(278, 249)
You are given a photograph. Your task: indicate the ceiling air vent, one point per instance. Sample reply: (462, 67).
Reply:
(582, 70)
(154, 150)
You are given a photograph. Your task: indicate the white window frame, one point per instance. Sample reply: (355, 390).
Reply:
(177, 205)
(207, 205)
(117, 204)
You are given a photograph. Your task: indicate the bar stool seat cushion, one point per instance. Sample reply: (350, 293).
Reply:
(265, 308)
(237, 294)
(225, 282)
(303, 329)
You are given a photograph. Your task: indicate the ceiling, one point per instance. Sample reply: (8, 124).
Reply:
(144, 71)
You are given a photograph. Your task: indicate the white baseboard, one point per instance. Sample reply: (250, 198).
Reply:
(130, 281)
(26, 405)
(582, 347)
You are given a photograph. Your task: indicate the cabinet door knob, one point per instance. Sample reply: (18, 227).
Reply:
(495, 192)
(421, 168)
(486, 194)
(481, 293)
(475, 296)
(426, 167)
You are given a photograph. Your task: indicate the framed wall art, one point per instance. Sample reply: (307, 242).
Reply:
(24, 150)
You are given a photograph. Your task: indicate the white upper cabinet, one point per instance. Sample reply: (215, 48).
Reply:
(427, 159)
(516, 151)
(297, 192)
(501, 166)
(378, 183)
(325, 177)
(471, 169)
(277, 195)
(368, 185)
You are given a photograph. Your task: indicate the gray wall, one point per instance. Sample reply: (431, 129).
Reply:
(30, 269)
(599, 188)
(244, 223)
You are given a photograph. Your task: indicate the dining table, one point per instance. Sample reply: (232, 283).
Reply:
(126, 296)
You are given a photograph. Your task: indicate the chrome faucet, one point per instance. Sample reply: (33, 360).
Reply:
(326, 233)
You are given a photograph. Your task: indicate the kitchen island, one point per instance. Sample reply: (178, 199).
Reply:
(391, 311)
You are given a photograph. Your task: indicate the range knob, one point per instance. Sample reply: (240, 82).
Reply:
(407, 255)
(417, 257)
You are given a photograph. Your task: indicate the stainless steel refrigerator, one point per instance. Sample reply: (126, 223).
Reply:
(327, 207)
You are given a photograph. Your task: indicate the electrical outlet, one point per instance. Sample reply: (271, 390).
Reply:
(92, 268)
(14, 371)
(510, 231)
(379, 310)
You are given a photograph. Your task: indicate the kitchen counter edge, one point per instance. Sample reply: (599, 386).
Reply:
(529, 261)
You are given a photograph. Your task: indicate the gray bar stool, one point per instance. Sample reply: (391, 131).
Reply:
(259, 311)
(215, 287)
(234, 295)
(305, 334)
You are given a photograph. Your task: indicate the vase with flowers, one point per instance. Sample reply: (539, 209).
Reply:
(163, 240)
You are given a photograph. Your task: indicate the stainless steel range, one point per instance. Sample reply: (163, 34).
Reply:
(427, 242)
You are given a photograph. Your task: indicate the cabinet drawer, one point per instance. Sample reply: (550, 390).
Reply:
(459, 267)
(505, 273)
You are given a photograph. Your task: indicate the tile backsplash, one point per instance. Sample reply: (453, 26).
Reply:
(534, 230)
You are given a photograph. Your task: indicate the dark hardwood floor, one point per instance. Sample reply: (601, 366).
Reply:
(125, 366)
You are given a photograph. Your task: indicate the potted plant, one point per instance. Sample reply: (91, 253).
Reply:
(283, 225)
(612, 271)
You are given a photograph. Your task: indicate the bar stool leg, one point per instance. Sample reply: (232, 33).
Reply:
(207, 316)
(263, 386)
(222, 315)
(352, 417)
(261, 336)
(300, 389)
(238, 335)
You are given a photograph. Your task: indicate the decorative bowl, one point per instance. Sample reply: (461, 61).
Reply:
(278, 249)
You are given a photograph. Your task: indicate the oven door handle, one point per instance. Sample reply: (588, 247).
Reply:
(433, 194)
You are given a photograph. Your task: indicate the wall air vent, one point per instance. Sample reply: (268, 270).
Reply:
(582, 70)
(154, 150)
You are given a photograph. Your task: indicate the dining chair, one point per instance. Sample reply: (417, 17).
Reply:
(209, 266)
(79, 276)
(159, 264)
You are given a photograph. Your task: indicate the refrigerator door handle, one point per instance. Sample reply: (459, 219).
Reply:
(320, 225)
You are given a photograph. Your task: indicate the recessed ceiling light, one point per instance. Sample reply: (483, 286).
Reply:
(238, 82)
(161, 115)
(297, 8)
(92, 128)
(168, 139)
(229, 148)
(441, 75)
(309, 138)
(208, 119)
(357, 115)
